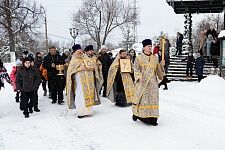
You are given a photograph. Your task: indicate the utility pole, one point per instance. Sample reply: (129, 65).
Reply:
(135, 22)
(46, 34)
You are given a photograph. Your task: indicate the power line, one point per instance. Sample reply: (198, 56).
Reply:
(58, 36)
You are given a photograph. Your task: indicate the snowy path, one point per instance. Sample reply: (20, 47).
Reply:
(187, 122)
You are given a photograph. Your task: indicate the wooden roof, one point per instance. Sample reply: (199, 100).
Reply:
(197, 6)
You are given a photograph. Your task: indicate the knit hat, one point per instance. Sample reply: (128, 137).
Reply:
(18, 62)
(31, 57)
(25, 52)
(26, 59)
(66, 51)
(88, 48)
(103, 47)
(146, 42)
(76, 47)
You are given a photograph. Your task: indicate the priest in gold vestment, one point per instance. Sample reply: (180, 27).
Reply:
(147, 71)
(89, 51)
(80, 83)
(120, 86)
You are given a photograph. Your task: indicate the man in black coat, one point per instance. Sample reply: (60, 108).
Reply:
(106, 61)
(56, 82)
(179, 43)
(215, 51)
(27, 81)
(212, 31)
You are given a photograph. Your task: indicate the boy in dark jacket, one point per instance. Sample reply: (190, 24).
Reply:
(27, 81)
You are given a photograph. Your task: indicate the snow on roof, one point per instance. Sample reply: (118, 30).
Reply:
(222, 34)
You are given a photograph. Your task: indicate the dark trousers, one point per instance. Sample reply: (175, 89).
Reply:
(215, 62)
(49, 85)
(17, 96)
(189, 70)
(105, 76)
(44, 84)
(27, 101)
(200, 77)
(35, 102)
(179, 50)
(57, 87)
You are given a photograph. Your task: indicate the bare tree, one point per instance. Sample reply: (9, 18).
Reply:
(98, 18)
(18, 17)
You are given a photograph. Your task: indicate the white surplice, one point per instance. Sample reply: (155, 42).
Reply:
(81, 108)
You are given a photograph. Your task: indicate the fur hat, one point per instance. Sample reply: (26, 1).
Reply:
(88, 48)
(146, 42)
(76, 47)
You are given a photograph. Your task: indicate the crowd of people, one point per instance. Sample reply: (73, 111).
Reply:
(126, 80)
(208, 49)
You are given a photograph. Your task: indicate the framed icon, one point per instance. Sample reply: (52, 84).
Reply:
(125, 65)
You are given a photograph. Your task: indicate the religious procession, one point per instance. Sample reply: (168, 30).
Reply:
(126, 80)
(112, 74)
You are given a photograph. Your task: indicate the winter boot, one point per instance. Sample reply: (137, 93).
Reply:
(36, 109)
(45, 93)
(80, 117)
(30, 110)
(165, 88)
(26, 116)
(60, 102)
(134, 118)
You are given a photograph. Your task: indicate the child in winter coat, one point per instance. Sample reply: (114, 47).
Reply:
(27, 82)
(13, 78)
(190, 62)
(3, 75)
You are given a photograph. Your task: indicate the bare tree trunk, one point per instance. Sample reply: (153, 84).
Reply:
(9, 28)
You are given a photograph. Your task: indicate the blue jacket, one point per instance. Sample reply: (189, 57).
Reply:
(199, 64)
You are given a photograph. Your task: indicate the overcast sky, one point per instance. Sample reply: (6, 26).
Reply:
(155, 16)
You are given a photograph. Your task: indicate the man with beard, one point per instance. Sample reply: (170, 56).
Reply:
(80, 83)
(106, 61)
(89, 50)
(56, 81)
(121, 81)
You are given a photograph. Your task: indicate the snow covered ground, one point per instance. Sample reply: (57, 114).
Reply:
(192, 117)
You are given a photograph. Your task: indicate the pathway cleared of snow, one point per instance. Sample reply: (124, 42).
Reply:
(191, 118)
